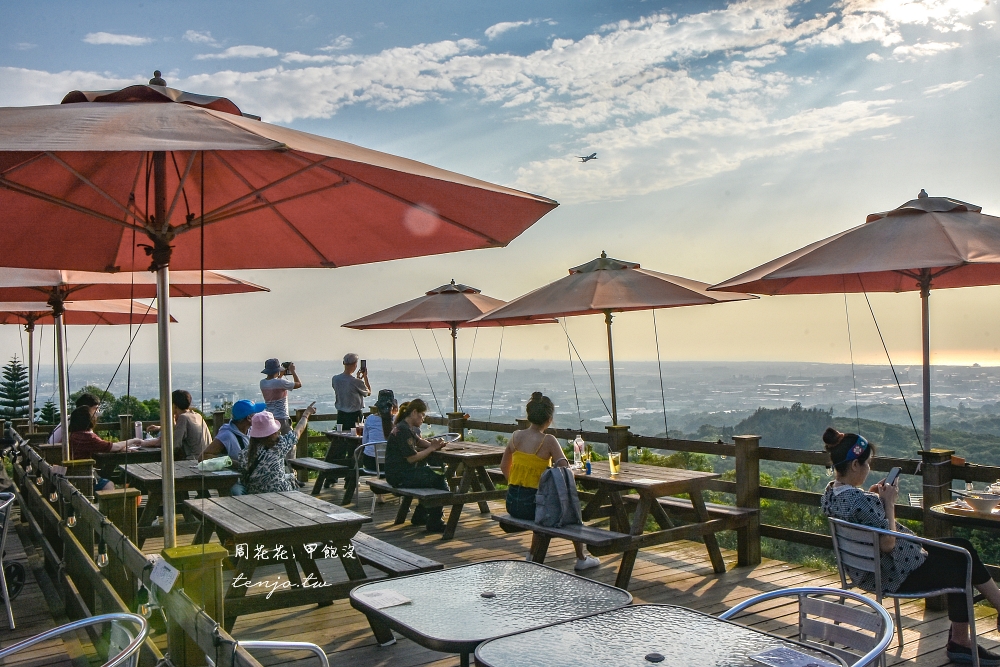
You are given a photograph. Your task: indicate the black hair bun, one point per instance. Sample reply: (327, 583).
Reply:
(832, 437)
(536, 395)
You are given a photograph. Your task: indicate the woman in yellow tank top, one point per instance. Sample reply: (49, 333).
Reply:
(529, 453)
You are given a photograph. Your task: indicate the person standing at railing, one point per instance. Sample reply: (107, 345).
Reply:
(528, 454)
(281, 378)
(350, 389)
(906, 567)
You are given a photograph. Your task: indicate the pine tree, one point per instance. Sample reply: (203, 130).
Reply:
(48, 414)
(14, 390)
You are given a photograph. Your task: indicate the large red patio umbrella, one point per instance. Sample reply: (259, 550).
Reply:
(607, 286)
(450, 306)
(59, 287)
(106, 311)
(927, 242)
(109, 176)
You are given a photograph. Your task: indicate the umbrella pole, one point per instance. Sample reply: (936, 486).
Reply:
(57, 311)
(925, 319)
(611, 366)
(454, 364)
(30, 329)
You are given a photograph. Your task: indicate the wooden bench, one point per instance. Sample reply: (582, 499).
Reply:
(391, 559)
(597, 539)
(735, 517)
(322, 468)
(427, 497)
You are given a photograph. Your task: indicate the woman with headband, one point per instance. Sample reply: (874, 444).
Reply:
(906, 567)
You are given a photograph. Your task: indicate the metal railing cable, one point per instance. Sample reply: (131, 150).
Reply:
(468, 369)
(572, 373)
(659, 369)
(854, 377)
(580, 359)
(429, 383)
(496, 374)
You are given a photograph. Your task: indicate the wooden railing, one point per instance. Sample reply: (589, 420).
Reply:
(89, 589)
(935, 467)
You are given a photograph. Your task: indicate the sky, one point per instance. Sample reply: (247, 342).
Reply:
(727, 135)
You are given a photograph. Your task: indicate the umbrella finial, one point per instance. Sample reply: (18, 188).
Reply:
(604, 255)
(452, 281)
(923, 194)
(157, 80)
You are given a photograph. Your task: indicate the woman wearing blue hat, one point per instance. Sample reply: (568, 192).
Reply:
(233, 437)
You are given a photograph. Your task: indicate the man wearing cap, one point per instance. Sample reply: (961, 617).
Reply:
(232, 437)
(350, 388)
(275, 388)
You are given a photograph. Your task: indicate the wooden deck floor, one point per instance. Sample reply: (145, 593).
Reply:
(677, 573)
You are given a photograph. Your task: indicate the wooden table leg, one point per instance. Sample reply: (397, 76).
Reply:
(456, 510)
(540, 545)
(714, 553)
(451, 475)
(404, 509)
(244, 574)
(619, 515)
(663, 519)
(154, 502)
(477, 473)
(637, 528)
(204, 533)
(350, 487)
(594, 505)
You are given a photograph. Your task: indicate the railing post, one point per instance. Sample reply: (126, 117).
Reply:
(80, 474)
(121, 509)
(456, 423)
(936, 470)
(200, 576)
(126, 427)
(218, 419)
(618, 440)
(522, 423)
(301, 447)
(748, 497)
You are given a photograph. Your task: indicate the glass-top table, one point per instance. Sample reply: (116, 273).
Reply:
(455, 610)
(640, 635)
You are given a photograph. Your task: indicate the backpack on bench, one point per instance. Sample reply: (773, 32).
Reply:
(557, 503)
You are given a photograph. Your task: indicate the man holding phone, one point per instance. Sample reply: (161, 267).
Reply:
(350, 388)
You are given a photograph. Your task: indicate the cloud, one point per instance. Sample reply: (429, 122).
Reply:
(26, 87)
(242, 51)
(882, 20)
(498, 29)
(988, 24)
(116, 40)
(340, 44)
(874, 57)
(296, 57)
(882, 89)
(200, 37)
(912, 53)
(24, 46)
(943, 88)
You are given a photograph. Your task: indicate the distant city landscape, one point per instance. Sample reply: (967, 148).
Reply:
(694, 393)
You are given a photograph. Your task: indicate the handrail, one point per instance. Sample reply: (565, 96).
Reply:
(123, 655)
(291, 646)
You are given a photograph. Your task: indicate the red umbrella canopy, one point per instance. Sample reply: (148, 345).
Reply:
(607, 285)
(442, 308)
(84, 180)
(32, 284)
(948, 242)
(105, 311)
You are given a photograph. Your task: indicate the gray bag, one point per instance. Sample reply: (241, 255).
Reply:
(557, 503)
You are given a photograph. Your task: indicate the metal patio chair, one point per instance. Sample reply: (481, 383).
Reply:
(377, 473)
(825, 624)
(857, 547)
(123, 647)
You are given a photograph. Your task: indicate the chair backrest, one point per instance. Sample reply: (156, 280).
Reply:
(379, 457)
(118, 656)
(856, 547)
(6, 509)
(862, 630)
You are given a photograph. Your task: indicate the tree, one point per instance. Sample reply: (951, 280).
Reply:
(105, 397)
(14, 390)
(49, 413)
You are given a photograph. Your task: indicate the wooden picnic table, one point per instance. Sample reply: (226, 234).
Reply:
(341, 452)
(148, 478)
(960, 514)
(465, 469)
(109, 462)
(290, 528)
(650, 483)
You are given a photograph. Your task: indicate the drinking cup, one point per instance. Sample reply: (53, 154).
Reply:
(338, 427)
(359, 429)
(615, 462)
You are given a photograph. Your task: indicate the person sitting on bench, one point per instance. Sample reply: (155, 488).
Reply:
(529, 453)
(404, 467)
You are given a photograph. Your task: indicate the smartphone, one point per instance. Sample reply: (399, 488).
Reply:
(893, 475)
(364, 365)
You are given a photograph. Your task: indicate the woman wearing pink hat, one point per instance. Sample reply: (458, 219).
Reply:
(263, 462)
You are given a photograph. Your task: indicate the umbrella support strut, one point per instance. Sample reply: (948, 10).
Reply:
(30, 329)
(454, 363)
(161, 262)
(925, 293)
(611, 366)
(57, 311)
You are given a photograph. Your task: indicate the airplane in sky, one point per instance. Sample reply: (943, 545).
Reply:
(587, 158)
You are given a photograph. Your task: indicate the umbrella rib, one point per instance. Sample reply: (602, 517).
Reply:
(257, 191)
(177, 195)
(86, 181)
(38, 194)
(322, 257)
(21, 165)
(250, 208)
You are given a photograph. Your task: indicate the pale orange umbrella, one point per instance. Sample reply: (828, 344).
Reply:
(450, 306)
(607, 286)
(106, 311)
(928, 242)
